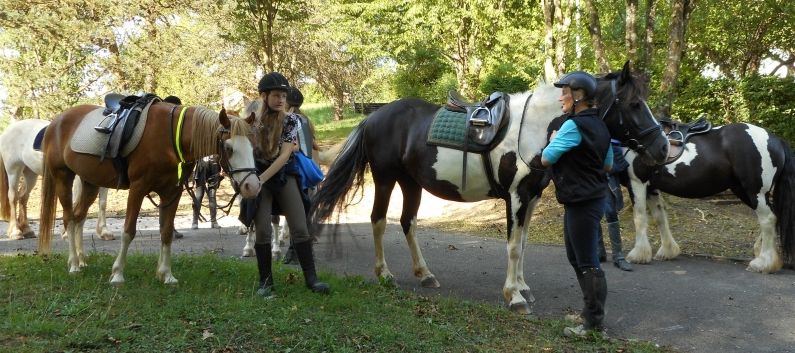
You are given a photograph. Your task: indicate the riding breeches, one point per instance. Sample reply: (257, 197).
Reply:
(292, 206)
(581, 223)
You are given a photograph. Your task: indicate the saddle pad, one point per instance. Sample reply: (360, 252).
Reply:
(39, 138)
(90, 141)
(448, 129)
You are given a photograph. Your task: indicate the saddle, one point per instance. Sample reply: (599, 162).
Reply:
(678, 133)
(122, 114)
(484, 120)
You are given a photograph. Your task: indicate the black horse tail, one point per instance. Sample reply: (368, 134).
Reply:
(784, 203)
(345, 173)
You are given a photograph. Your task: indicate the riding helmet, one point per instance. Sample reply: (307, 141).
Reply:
(294, 97)
(579, 80)
(273, 80)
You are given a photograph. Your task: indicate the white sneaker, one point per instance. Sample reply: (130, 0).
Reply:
(580, 331)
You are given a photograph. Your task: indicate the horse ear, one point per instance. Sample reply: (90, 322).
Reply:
(626, 72)
(246, 101)
(251, 117)
(223, 119)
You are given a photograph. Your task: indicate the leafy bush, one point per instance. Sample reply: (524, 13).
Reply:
(508, 79)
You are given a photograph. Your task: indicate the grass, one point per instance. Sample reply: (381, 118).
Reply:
(328, 131)
(214, 309)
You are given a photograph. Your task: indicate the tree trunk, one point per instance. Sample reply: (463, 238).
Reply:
(563, 20)
(648, 45)
(631, 30)
(595, 29)
(680, 14)
(549, 39)
(338, 100)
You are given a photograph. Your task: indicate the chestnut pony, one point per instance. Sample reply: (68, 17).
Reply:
(172, 133)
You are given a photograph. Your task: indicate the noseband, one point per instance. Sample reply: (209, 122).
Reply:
(228, 165)
(633, 143)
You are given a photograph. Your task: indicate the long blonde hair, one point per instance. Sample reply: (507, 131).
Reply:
(271, 130)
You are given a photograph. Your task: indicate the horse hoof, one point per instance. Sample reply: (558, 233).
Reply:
(16, 237)
(107, 236)
(430, 282)
(29, 235)
(248, 253)
(521, 308)
(527, 295)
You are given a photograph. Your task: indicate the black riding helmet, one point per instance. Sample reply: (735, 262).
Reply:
(579, 80)
(273, 80)
(294, 97)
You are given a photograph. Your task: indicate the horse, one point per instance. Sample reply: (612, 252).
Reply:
(18, 159)
(392, 142)
(172, 135)
(750, 161)
(280, 230)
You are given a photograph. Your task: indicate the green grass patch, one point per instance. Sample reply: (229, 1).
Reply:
(215, 309)
(328, 131)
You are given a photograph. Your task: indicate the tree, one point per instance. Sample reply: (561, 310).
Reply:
(680, 15)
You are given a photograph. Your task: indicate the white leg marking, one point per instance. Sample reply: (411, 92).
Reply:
(117, 273)
(380, 268)
(164, 265)
(418, 265)
(669, 249)
(641, 253)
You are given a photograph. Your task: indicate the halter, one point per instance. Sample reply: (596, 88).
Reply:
(228, 165)
(632, 143)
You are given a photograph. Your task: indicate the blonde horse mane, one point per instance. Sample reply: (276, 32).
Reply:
(205, 129)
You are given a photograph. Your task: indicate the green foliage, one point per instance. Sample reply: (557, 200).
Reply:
(766, 101)
(426, 76)
(507, 78)
(215, 308)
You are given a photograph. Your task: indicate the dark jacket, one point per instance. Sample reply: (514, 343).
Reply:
(579, 174)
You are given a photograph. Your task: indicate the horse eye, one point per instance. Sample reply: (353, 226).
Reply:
(634, 105)
(229, 149)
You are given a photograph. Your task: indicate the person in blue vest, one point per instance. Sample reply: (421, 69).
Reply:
(276, 166)
(579, 156)
(614, 202)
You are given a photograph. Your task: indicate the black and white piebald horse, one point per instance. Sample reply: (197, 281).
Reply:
(393, 141)
(750, 161)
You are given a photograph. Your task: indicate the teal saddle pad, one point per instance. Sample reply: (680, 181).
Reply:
(448, 129)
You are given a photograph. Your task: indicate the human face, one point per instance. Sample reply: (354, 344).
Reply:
(277, 99)
(566, 99)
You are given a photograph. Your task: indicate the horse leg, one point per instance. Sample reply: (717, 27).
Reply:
(276, 251)
(30, 183)
(383, 192)
(102, 228)
(251, 236)
(134, 200)
(14, 176)
(669, 249)
(63, 189)
(768, 259)
(166, 236)
(641, 253)
(85, 199)
(516, 291)
(412, 195)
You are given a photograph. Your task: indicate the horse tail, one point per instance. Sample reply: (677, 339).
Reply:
(784, 203)
(346, 172)
(327, 157)
(47, 217)
(5, 205)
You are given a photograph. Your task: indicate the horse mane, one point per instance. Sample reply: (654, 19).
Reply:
(634, 87)
(205, 129)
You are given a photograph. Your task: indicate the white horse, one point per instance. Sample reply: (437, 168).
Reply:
(18, 159)
(281, 234)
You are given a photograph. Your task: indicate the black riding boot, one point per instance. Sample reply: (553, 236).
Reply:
(307, 260)
(264, 267)
(578, 318)
(614, 230)
(596, 290)
(213, 209)
(195, 223)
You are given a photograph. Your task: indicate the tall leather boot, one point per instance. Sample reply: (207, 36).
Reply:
(595, 285)
(195, 223)
(264, 267)
(213, 209)
(600, 246)
(289, 255)
(177, 235)
(614, 230)
(307, 260)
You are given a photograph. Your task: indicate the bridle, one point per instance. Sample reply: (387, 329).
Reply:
(632, 143)
(227, 164)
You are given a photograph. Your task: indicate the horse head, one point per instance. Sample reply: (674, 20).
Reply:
(236, 143)
(623, 108)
